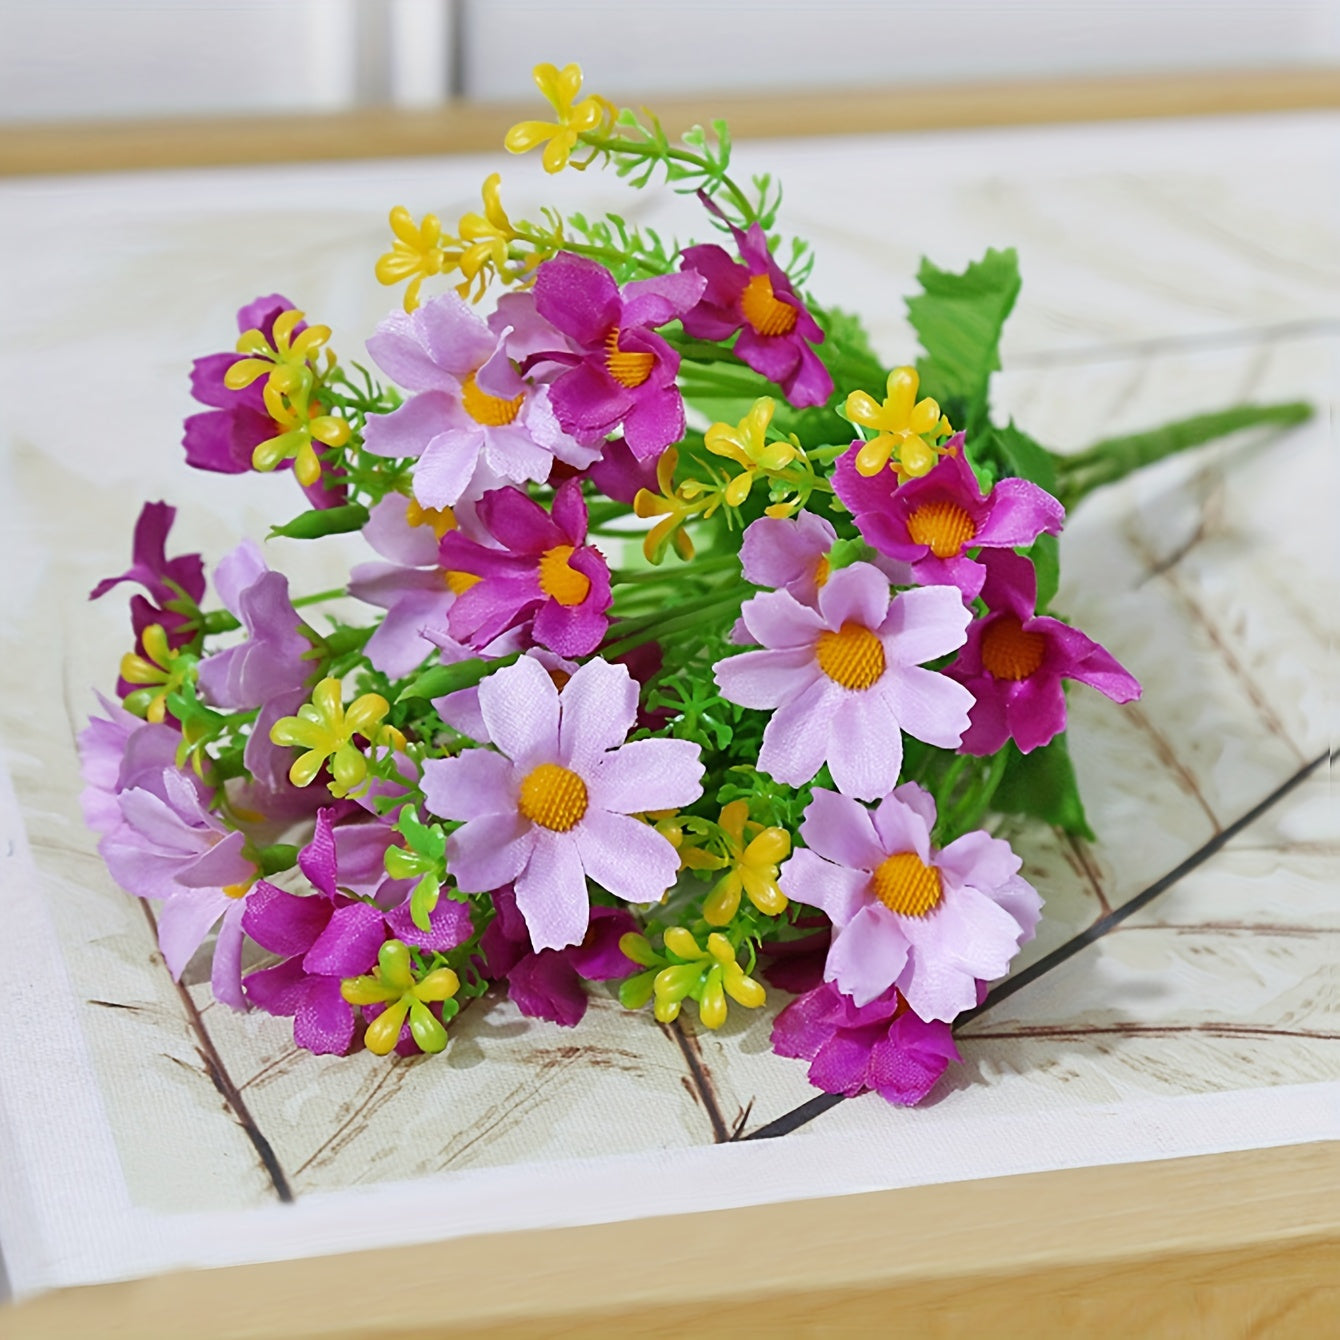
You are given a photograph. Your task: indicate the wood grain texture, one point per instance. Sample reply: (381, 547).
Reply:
(1231, 1245)
(472, 128)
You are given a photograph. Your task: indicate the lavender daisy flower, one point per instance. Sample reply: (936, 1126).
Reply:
(624, 373)
(270, 662)
(932, 521)
(169, 846)
(846, 678)
(475, 421)
(932, 923)
(552, 807)
(1014, 661)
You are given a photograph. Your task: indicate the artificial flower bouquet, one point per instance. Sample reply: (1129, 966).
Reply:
(700, 650)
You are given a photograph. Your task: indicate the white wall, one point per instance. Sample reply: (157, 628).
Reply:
(84, 58)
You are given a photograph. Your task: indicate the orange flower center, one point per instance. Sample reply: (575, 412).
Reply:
(560, 679)
(853, 657)
(458, 583)
(944, 527)
(629, 368)
(552, 797)
(822, 571)
(763, 310)
(905, 886)
(1008, 652)
(441, 519)
(490, 410)
(559, 580)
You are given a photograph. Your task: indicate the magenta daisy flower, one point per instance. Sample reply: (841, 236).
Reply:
(544, 571)
(1014, 661)
(933, 521)
(475, 421)
(932, 923)
(551, 808)
(624, 373)
(846, 678)
(853, 1048)
(754, 296)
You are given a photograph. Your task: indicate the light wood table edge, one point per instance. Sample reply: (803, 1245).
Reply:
(29, 149)
(1223, 1245)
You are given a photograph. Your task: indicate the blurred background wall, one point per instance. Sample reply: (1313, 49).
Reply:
(83, 59)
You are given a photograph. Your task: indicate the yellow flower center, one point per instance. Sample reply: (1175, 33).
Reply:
(1008, 652)
(236, 890)
(441, 519)
(853, 657)
(628, 368)
(552, 797)
(490, 410)
(766, 313)
(943, 526)
(458, 583)
(561, 581)
(822, 571)
(905, 886)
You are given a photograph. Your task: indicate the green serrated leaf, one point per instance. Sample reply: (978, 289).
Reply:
(1025, 457)
(958, 319)
(1042, 784)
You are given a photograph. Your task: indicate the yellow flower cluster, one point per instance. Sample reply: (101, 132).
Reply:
(325, 730)
(908, 431)
(688, 971)
(287, 361)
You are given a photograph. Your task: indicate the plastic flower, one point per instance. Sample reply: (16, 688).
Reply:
(545, 571)
(755, 297)
(170, 847)
(271, 661)
(675, 511)
(166, 580)
(846, 678)
(224, 438)
(418, 251)
(750, 862)
(746, 443)
(413, 589)
(624, 373)
(325, 730)
(572, 118)
(905, 428)
(932, 923)
(160, 671)
(880, 1046)
(394, 986)
(484, 239)
(326, 936)
(300, 423)
(553, 806)
(932, 521)
(548, 984)
(706, 974)
(283, 354)
(474, 422)
(1014, 661)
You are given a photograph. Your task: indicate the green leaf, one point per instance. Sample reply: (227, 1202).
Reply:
(276, 857)
(958, 319)
(1046, 556)
(1042, 784)
(323, 521)
(1025, 457)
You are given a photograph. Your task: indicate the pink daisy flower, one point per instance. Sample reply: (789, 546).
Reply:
(933, 521)
(846, 679)
(551, 808)
(1014, 661)
(932, 923)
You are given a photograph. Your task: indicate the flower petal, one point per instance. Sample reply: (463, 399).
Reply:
(474, 783)
(839, 890)
(868, 954)
(647, 775)
(520, 707)
(628, 858)
(599, 706)
(551, 892)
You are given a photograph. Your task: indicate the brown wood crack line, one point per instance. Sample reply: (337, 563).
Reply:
(816, 1107)
(702, 1081)
(223, 1082)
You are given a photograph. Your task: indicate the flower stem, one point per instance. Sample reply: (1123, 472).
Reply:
(1116, 457)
